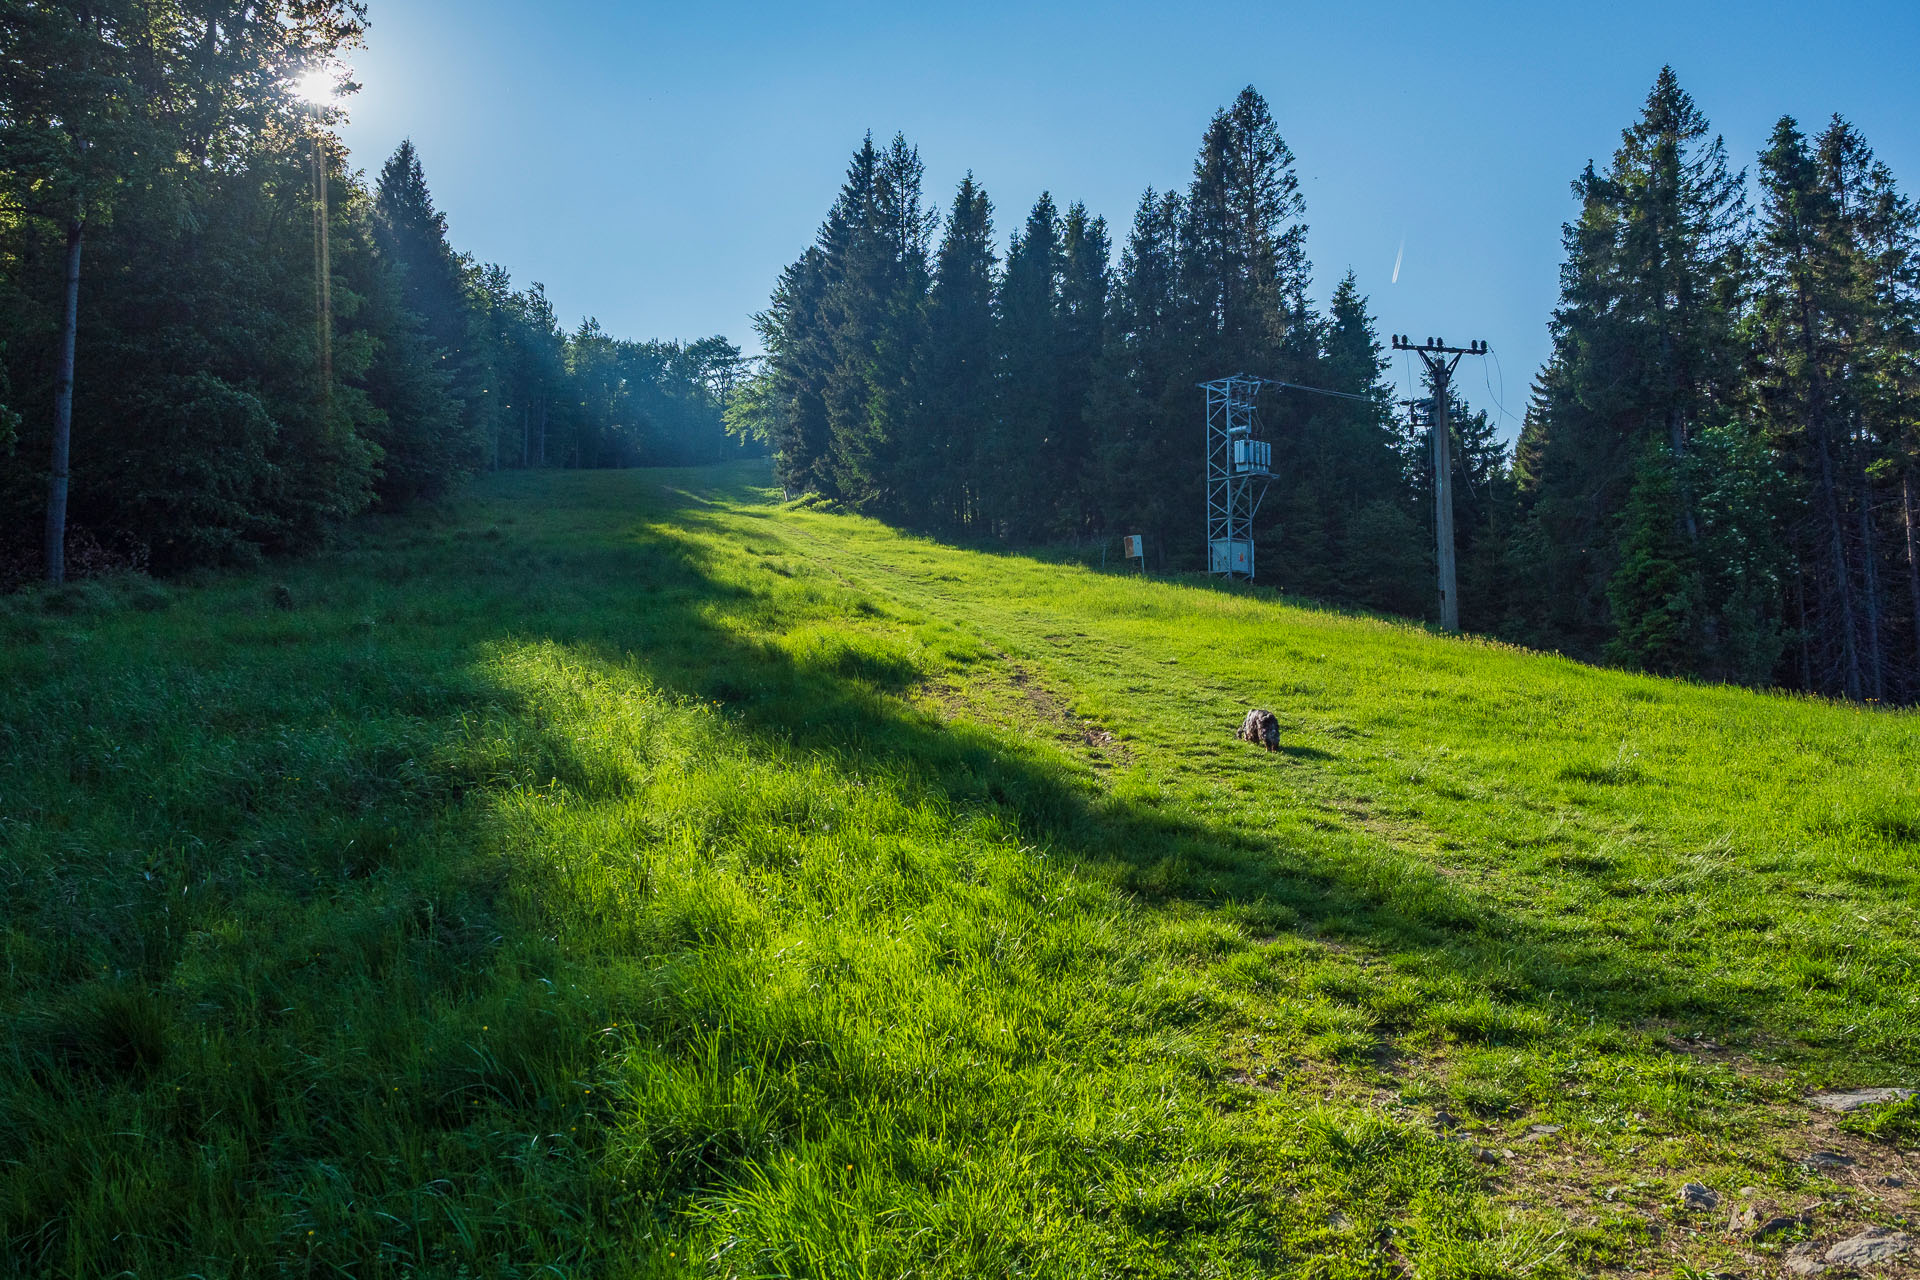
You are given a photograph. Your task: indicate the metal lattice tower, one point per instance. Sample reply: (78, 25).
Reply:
(1239, 466)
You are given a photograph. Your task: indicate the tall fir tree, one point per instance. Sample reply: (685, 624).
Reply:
(413, 415)
(1646, 351)
(876, 242)
(1085, 252)
(850, 317)
(1835, 326)
(799, 359)
(954, 369)
(1017, 493)
(1146, 451)
(1884, 234)
(1244, 264)
(433, 280)
(1342, 470)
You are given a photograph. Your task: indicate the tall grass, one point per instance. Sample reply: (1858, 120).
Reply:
(616, 875)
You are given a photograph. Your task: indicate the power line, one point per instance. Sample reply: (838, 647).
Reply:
(1319, 391)
(1500, 397)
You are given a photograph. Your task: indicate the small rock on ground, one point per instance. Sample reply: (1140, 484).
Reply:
(1804, 1259)
(1781, 1225)
(1875, 1244)
(1854, 1099)
(1696, 1196)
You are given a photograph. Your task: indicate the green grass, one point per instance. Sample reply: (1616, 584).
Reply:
(623, 875)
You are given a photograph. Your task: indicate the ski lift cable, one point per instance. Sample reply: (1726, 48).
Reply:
(1319, 391)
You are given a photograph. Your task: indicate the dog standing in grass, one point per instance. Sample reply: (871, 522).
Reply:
(1261, 726)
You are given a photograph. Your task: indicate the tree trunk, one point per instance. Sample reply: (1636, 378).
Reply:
(63, 411)
(1836, 538)
(1828, 497)
(1806, 634)
(1677, 431)
(1908, 499)
(1870, 591)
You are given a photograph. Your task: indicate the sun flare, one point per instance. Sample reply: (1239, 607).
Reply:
(317, 86)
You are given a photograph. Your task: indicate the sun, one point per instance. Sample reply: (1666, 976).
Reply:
(318, 87)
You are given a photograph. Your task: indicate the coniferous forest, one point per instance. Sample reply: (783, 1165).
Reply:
(219, 341)
(1717, 475)
(158, 171)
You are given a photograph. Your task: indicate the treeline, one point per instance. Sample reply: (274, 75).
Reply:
(246, 373)
(1716, 476)
(1052, 395)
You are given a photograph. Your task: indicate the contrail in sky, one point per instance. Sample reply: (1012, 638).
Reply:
(1396, 260)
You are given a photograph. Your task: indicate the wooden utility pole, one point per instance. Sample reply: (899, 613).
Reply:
(1435, 355)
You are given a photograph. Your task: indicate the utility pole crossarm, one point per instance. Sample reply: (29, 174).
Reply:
(1437, 346)
(1435, 355)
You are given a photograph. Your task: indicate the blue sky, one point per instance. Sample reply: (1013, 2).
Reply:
(655, 166)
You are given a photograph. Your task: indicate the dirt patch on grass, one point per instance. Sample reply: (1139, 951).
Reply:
(1787, 1180)
(1801, 1183)
(1011, 696)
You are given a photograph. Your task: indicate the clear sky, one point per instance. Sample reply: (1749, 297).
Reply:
(656, 165)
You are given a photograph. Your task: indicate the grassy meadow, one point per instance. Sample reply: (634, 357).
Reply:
(626, 874)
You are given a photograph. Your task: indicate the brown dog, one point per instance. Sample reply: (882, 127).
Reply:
(1261, 726)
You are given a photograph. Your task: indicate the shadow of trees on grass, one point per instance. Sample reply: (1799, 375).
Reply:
(850, 708)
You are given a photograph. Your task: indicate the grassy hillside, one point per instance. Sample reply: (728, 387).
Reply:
(625, 875)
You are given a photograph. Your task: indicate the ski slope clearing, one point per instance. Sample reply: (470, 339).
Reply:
(627, 874)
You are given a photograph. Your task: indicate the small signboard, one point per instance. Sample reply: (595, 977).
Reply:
(1135, 547)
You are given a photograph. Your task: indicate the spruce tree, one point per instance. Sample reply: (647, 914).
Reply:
(954, 369)
(412, 232)
(1147, 448)
(1835, 323)
(1084, 284)
(799, 358)
(1211, 282)
(1016, 492)
(1244, 280)
(413, 416)
(1245, 272)
(874, 246)
(1646, 351)
(1343, 455)
(1884, 230)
